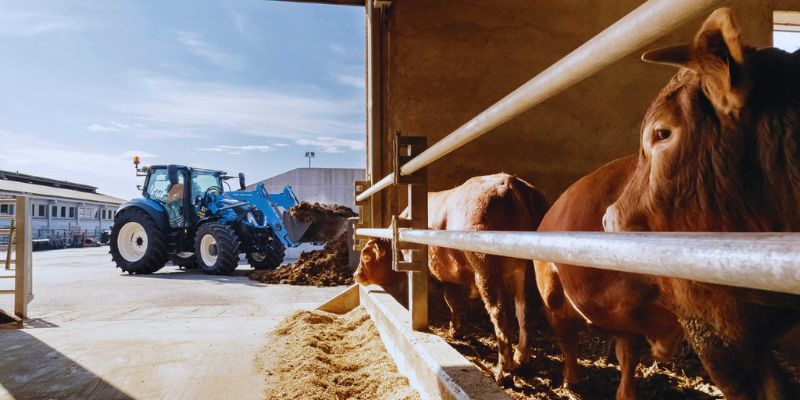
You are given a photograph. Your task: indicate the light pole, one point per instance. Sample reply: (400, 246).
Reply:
(309, 156)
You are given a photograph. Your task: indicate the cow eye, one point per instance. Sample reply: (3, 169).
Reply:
(662, 134)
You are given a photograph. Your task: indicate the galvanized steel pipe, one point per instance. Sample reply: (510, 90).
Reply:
(768, 261)
(648, 22)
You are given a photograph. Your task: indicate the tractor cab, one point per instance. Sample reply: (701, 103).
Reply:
(185, 204)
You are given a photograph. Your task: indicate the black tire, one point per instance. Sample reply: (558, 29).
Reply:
(142, 249)
(267, 260)
(222, 255)
(189, 262)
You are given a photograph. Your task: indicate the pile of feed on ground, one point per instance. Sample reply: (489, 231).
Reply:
(319, 355)
(682, 378)
(326, 267)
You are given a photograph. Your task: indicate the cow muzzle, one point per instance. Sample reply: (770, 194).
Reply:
(611, 219)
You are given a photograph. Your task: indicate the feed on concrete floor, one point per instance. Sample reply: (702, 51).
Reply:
(319, 355)
(326, 267)
(683, 378)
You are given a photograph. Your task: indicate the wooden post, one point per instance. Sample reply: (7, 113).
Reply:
(10, 244)
(416, 264)
(24, 249)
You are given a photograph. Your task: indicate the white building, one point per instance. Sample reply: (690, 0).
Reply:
(323, 185)
(60, 209)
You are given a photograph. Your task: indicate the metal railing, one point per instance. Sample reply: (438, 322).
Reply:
(767, 261)
(20, 245)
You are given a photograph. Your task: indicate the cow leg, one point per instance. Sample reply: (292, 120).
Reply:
(741, 370)
(629, 350)
(567, 335)
(490, 288)
(456, 299)
(519, 283)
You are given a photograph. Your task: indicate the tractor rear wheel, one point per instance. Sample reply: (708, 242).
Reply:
(184, 260)
(216, 248)
(137, 245)
(266, 260)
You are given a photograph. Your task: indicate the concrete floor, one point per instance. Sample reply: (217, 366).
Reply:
(97, 333)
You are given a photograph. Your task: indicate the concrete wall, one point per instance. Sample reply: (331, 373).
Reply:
(443, 62)
(324, 185)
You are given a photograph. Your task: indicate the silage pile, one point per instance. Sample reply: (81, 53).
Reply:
(319, 355)
(326, 267)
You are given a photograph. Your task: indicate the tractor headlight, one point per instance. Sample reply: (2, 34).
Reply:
(251, 218)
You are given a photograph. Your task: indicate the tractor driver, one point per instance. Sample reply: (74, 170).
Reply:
(174, 204)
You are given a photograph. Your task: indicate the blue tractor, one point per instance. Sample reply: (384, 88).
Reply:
(185, 216)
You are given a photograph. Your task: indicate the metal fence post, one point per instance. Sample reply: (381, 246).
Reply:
(24, 252)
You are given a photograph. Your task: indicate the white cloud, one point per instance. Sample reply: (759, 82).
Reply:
(139, 130)
(205, 109)
(332, 144)
(242, 25)
(281, 144)
(199, 47)
(354, 81)
(339, 50)
(29, 23)
(38, 155)
(141, 154)
(228, 149)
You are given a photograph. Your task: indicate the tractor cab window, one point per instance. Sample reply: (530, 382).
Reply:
(160, 190)
(171, 196)
(202, 182)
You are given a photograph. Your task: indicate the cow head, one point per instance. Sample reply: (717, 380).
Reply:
(720, 144)
(375, 264)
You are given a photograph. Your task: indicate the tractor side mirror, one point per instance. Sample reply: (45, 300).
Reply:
(172, 174)
(242, 186)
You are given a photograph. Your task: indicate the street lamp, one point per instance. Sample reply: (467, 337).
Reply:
(309, 156)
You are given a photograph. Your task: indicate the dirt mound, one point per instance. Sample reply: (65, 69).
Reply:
(326, 267)
(683, 378)
(318, 355)
(327, 220)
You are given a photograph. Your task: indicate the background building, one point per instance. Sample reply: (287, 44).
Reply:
(60, 209)
(324, 185)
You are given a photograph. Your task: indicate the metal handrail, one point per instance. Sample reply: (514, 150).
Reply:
(646, 23)
(767, 261)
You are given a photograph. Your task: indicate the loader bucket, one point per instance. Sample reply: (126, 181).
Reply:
(324, 222)
(294, 228)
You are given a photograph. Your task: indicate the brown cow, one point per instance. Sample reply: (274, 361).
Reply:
(493, 202)
(720, 151)
(621, 303)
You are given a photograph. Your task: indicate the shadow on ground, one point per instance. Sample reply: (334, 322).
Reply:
(31, 369)
(239, 276)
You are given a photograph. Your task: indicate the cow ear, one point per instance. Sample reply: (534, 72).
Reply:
(381, 245)
(719, 58)
(676, 56)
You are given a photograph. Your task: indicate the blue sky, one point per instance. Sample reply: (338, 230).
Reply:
(238, 85)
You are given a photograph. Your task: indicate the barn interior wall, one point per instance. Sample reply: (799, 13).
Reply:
(443, 62)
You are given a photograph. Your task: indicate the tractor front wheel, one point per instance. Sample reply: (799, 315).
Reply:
(137, 245)
(216, 248)
(266, 260)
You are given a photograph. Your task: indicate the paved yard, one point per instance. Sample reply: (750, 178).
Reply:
(98, 333)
